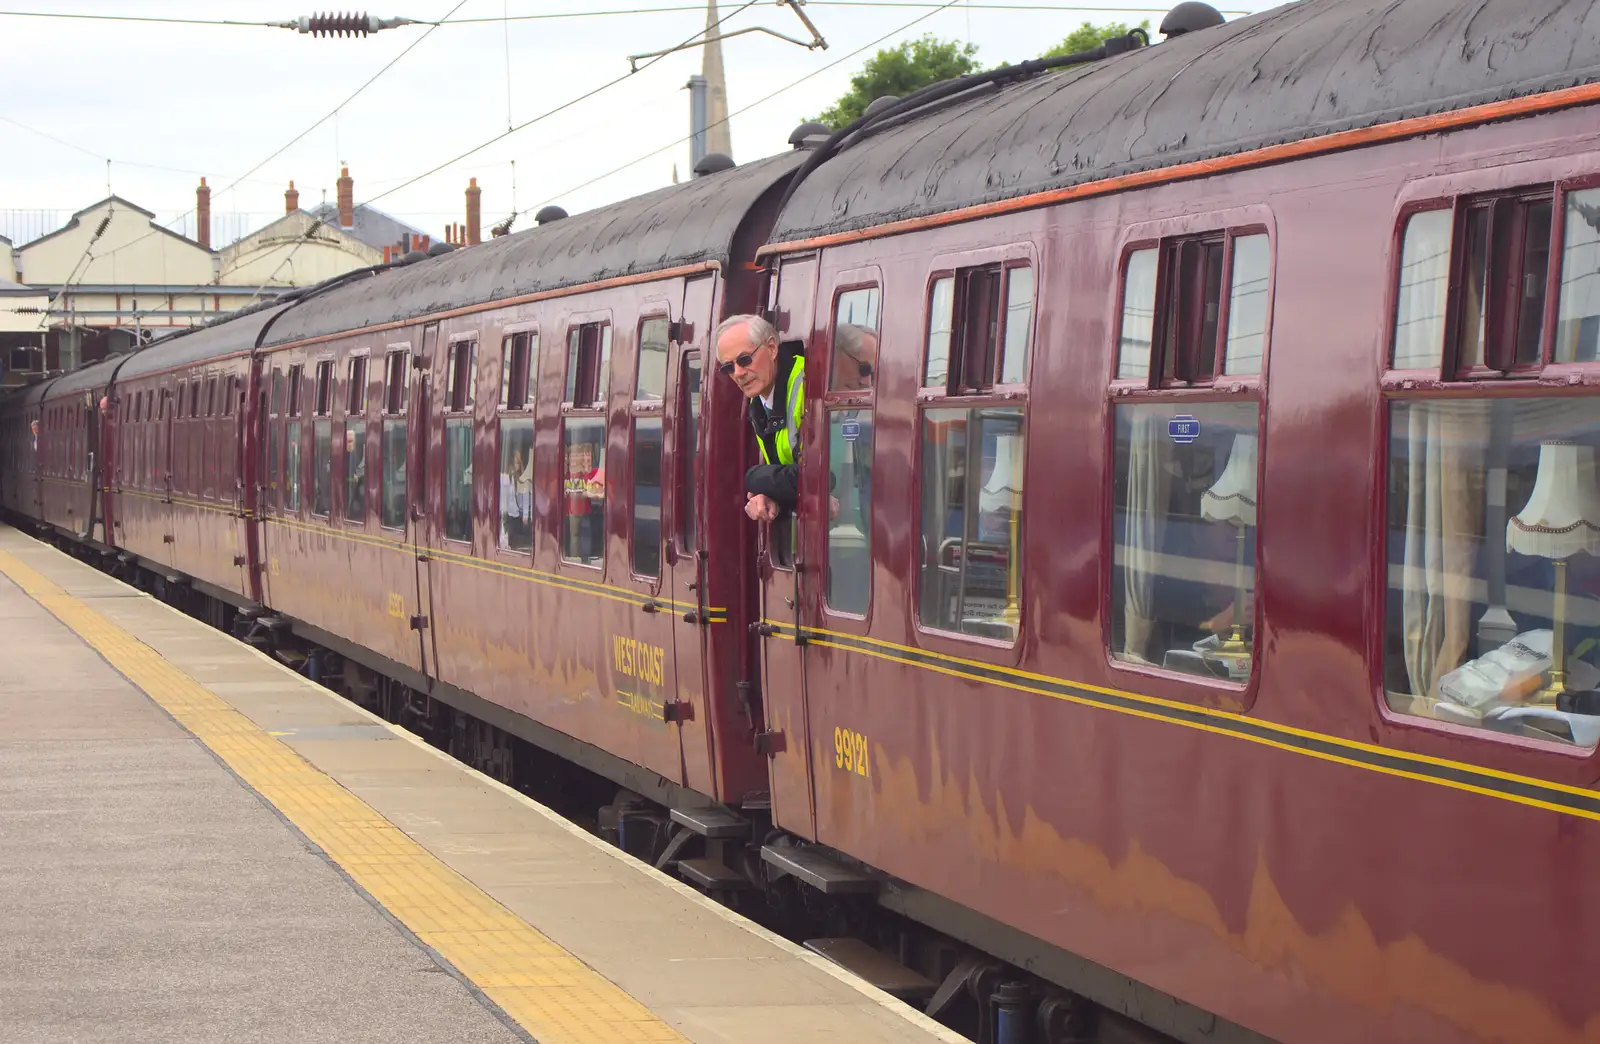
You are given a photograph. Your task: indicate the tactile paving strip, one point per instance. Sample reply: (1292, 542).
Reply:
(546, 990)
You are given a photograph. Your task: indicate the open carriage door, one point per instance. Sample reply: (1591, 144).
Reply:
(422, 530)
(694, 607)
(782, 573)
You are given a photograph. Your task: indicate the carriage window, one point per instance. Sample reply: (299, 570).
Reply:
(645, 555)
(1138, 315)
(458, 478)
(355, 468)
(848, 585)
(588, 365)
(291, 465)
(1507, 257)
(1493, 564)
(211, 396)
(294, 390)
(517, 371)
(394, 390)
(688, 453)
(394, 472)
(356, 387)
(1578, 312)
(323, 405)
(321, 465)
(972, 520)
(1423, 287)
(1172, 321)
(1184, 524)
(941, 312)
(463, 376)
(651, 385)
(1247, 305)
(516, 483)
(1019, 325)
(583, 490)
(194, 398)
(855, 340)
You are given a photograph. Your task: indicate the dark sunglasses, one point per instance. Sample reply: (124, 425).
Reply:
(743, 359)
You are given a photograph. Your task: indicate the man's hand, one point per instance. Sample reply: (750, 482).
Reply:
(760, 508)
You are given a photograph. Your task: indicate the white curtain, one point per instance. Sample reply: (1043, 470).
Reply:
(1444, 524)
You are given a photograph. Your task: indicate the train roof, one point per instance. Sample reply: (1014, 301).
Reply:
(1306, 69)
(237, 334)
(86, 378)
(683, 224)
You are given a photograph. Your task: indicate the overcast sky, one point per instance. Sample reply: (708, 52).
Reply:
(217, 100)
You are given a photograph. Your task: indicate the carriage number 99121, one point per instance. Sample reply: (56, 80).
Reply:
(850, 752)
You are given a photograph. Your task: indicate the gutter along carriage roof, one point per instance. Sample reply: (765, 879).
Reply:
(1307, 69)
(685, 224)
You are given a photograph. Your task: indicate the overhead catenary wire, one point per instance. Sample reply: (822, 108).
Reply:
(604, 13)
(759, 101)
(353, 95)
(559, 108)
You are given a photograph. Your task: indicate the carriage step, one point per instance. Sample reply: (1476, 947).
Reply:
(876, 967)
(819, 871)
(712, 822)
(713, 875)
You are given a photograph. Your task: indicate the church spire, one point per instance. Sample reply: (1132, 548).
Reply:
(718, 137)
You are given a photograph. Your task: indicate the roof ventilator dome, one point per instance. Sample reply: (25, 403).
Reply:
(549, 214)
(1190, 16)
(712, 163)
(809, 135)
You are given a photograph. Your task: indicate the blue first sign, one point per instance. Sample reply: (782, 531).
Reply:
(850, 430)
(1183, 429)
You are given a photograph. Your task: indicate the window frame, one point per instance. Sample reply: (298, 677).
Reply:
(1564, 174)
(350, 410)
(1232, 223)
(650, 308)
(528, 410)
(830, 399)
(948, 265)
(391, 409)
(598, 409)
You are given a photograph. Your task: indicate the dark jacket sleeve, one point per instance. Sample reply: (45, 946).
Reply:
(781, 482)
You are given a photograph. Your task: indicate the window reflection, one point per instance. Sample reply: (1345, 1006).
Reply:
(850, 510)
(1184, 517)
(1493, 509)
(458, 478)
(394, 472)
(516, 484)
(584, 490)
(972, 520)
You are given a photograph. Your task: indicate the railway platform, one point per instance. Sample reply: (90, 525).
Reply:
(197, 844)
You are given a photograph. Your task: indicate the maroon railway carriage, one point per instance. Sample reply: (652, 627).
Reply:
(493, 469)
(1292, 291)
(1194, 595)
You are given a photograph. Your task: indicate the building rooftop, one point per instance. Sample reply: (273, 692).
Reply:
(372, 226)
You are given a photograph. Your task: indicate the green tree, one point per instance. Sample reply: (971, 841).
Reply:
(1087, 37)
(899, 71)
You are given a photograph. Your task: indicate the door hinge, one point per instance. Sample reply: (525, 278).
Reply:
(651, 606)
(677, 710)
(419, 623)
(238, 560)
(765, 630)
(770, 742)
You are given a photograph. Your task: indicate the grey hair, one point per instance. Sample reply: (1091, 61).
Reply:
(756, 328)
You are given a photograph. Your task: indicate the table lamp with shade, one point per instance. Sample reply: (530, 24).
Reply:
(1561, 518)
(1232, 499)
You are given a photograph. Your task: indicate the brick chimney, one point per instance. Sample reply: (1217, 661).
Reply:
(291, 200)
(347, 199)
(202, 214)
(474, 212)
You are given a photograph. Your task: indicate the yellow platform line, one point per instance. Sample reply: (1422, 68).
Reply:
(546, 990)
